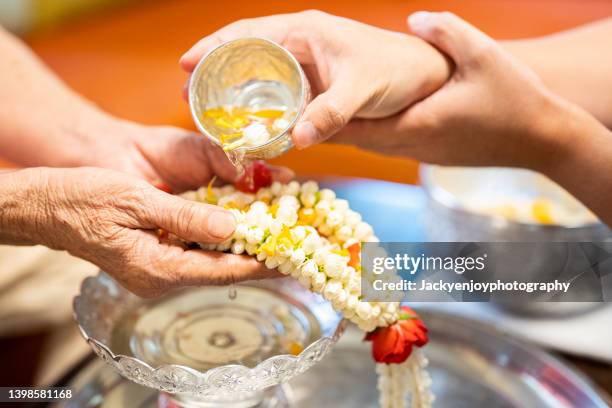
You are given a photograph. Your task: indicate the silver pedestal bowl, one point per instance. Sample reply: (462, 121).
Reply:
(201, 348)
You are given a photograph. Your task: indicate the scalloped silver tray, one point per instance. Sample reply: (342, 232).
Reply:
(472, 365)
(103, 303)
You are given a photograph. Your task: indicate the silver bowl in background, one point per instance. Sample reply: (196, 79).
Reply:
(448, 220)
(252, 73)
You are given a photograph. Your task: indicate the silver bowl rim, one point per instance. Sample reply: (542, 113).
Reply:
(118, 359)
(193, 80)
(447, 200)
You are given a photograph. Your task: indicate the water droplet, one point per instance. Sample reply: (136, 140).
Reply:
(232, 293)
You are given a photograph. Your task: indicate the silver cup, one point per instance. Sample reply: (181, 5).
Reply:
(252, 73)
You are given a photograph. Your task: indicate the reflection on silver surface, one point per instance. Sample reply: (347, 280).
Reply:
(447, 220)
(472, 365)
(140, 339)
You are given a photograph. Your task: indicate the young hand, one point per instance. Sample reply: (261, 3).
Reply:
(355, 70)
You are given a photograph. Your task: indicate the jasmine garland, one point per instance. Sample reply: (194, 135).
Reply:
(316, 238)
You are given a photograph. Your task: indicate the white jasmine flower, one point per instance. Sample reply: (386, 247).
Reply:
(290, 201)
(309, 187)
(334, 265)
(258, 207)
(308, 199)
(255, 134)
(331, 289)
(339, 301)
(364, 310)
(296, 272)
(287, 215)
(298, 256)
(319, 220)
(272, 262)
(327, 195)
(293, 188)
(285, 268)
(376, 310)
(322, 207)
(326, 230)
(318, 281)
(320, 255)
(344, 233)
(334, 218)
(263, 194)
(276, 227)
(276, 188)
(363, 230)
(254, 235)
(354, 283)
(250, 248)
(225, 200)
(310, 268)
(311, 243)
(340, 204)
(298, 233)
(352, 302)
(226, 190)
(281, 124)
(238, 247)
(305, 281)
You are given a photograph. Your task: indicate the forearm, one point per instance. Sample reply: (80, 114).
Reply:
(576, 64)
(42, 122)
(581, 159)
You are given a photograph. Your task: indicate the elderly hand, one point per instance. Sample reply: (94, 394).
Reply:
(492, 111)
(162, 155)
(111, 219)
(355, 70)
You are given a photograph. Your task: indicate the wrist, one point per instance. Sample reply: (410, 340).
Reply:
(25, 206)
(579, 156)
(433, 67)
(550, 133)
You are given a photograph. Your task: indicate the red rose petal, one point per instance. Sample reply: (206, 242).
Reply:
(256, 175)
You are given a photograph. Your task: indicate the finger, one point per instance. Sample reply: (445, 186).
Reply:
(151, 269)
(275, 28)
(219, 161)
(281, 174)
(228, 172)
(370, 133)
(327, 114)
(455, 37)
(198, 267)
(190, 220)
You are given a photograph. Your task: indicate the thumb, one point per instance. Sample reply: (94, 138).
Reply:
(192, 221)
(325, 115)
(450, 34)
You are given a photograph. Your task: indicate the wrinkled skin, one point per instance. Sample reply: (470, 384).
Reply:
(112, 219)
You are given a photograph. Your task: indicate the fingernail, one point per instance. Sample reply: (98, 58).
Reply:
(419, 20)
(221, 224)
(305, 134)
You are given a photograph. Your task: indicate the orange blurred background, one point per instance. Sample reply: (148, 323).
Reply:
(125, 58)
